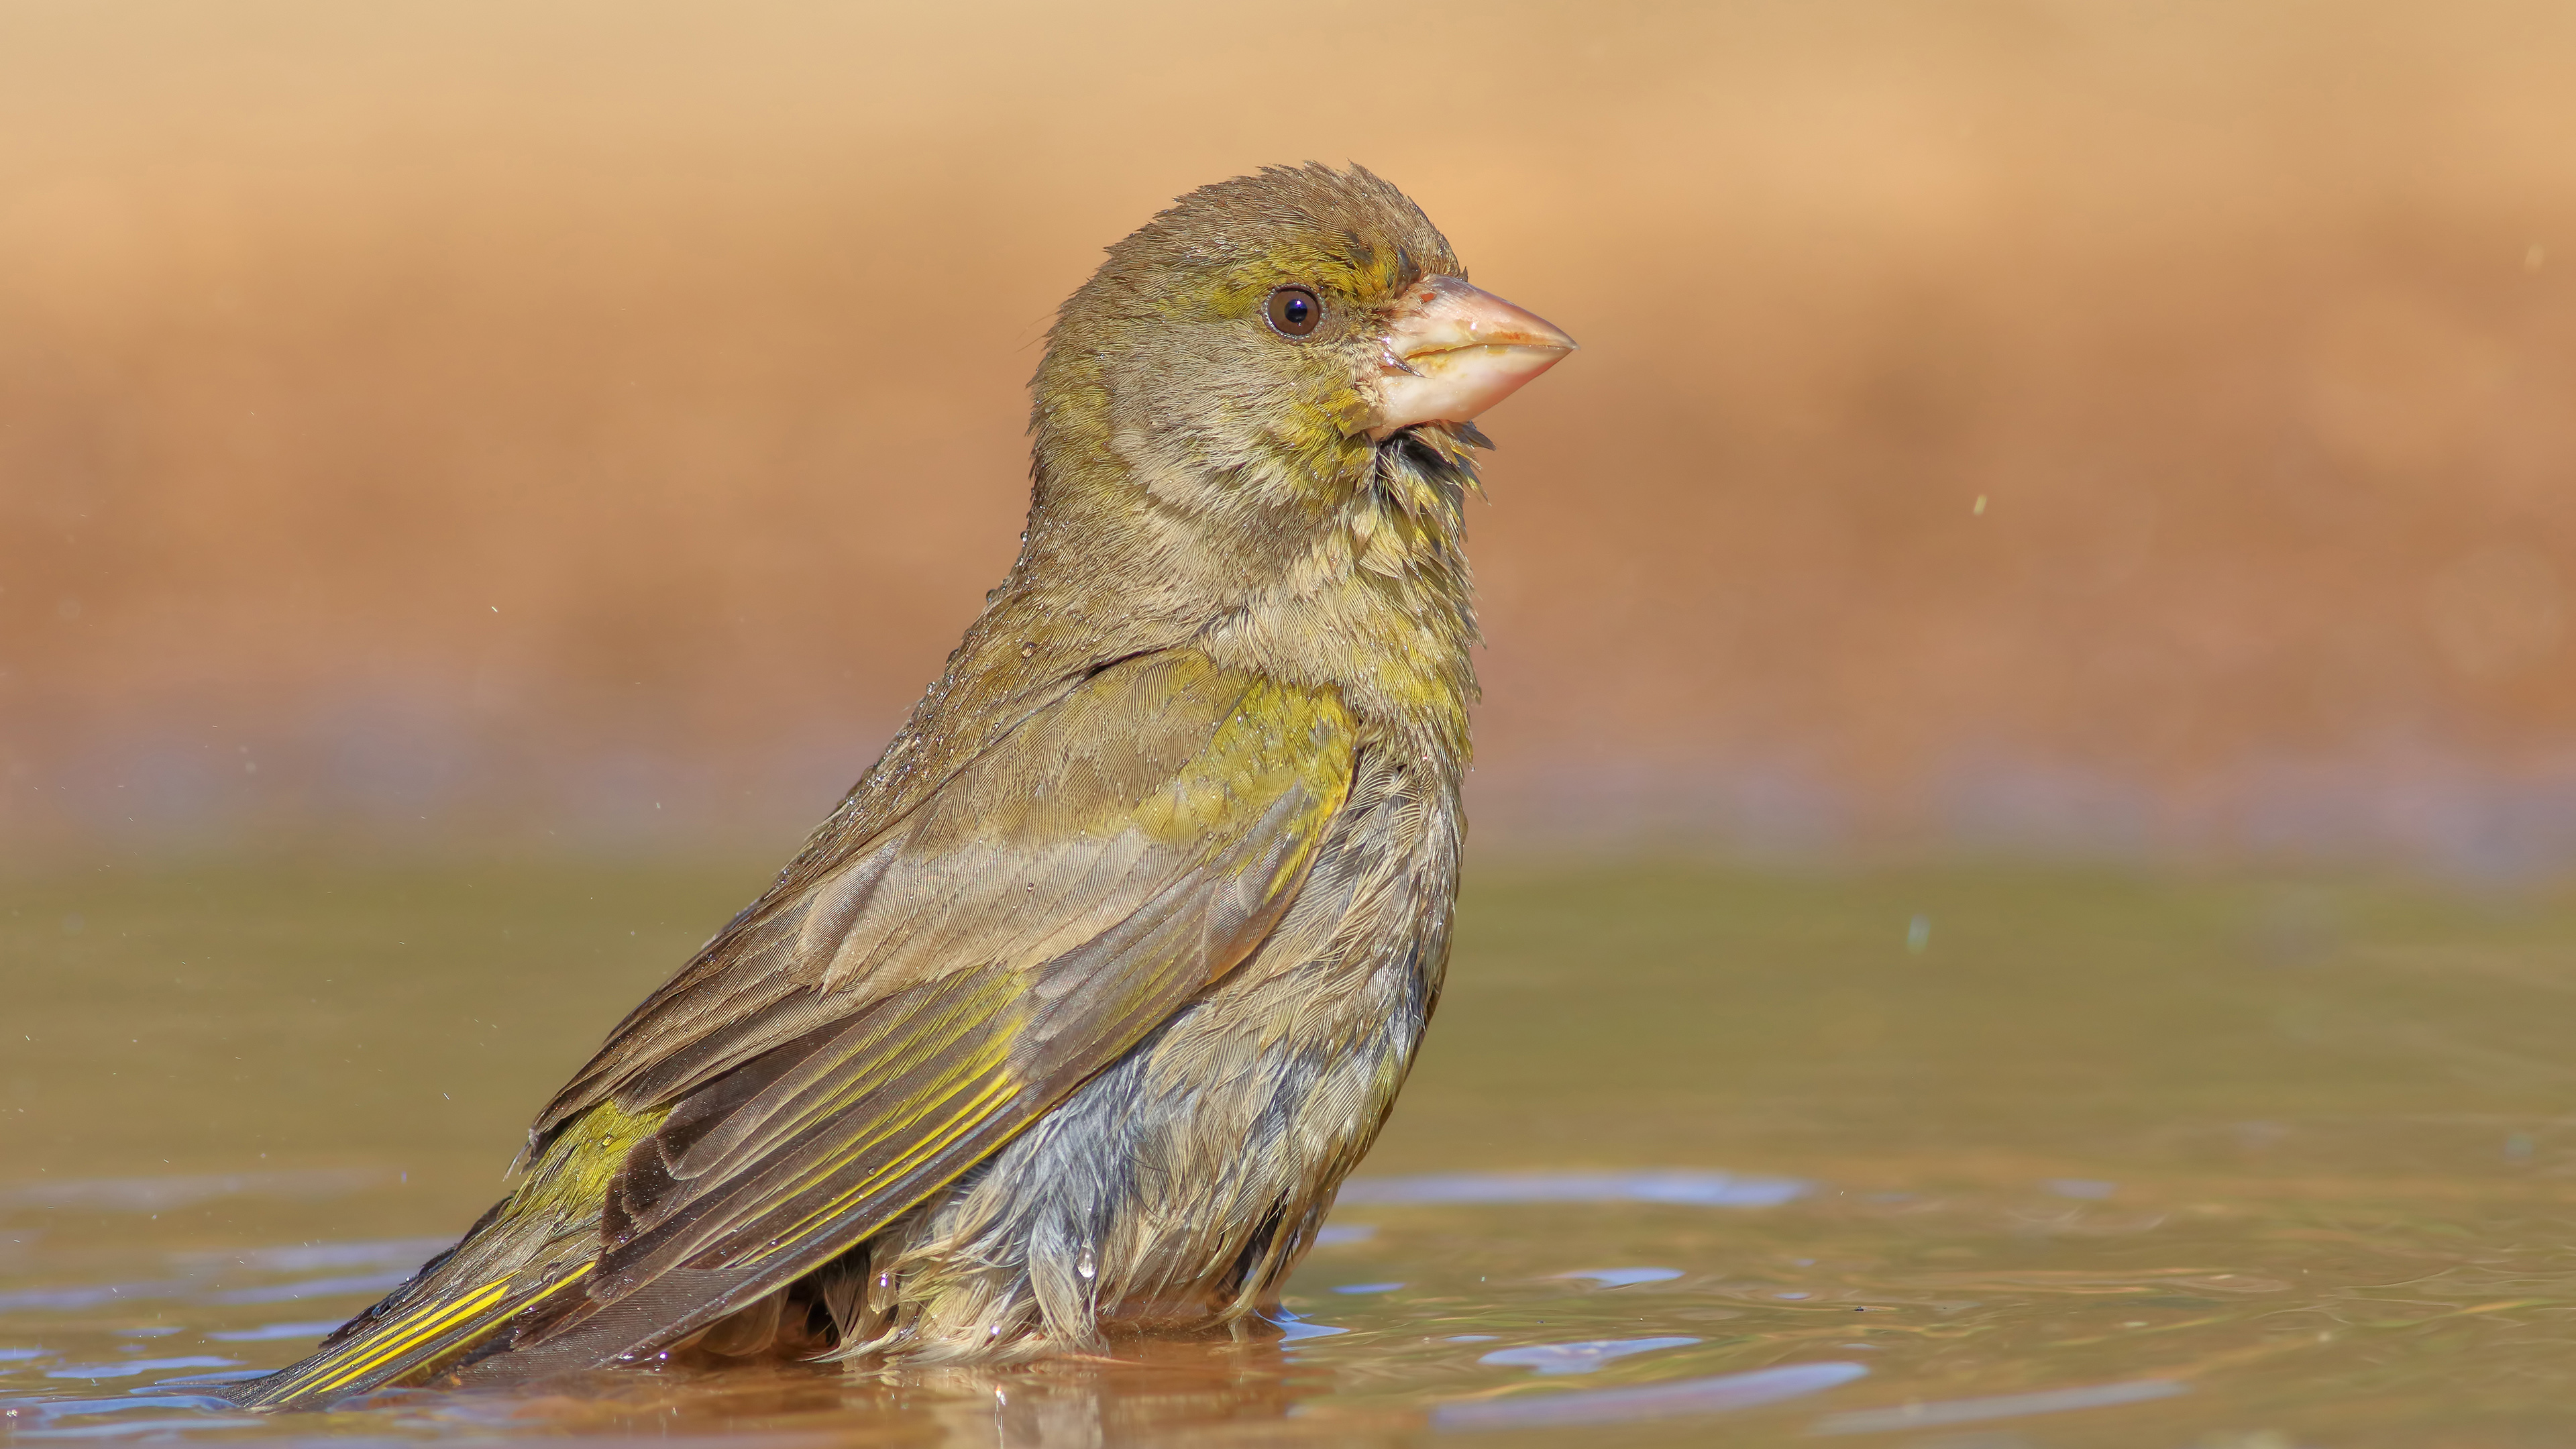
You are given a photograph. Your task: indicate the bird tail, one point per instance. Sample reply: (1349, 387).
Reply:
(432, 1322)
(535, 1244)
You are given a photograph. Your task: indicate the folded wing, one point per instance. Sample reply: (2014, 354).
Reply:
(864, 1035)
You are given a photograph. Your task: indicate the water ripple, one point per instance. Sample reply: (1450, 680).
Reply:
(1718, 1395)
(1624, 1277)
(1579, 1358)
(2001, 1406)
(1690, 1189)
(313, 1288)
(160, 1194)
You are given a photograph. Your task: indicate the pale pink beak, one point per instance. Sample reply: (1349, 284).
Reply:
(1452, 351)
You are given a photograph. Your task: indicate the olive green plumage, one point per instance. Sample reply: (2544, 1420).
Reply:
(1079, 1007)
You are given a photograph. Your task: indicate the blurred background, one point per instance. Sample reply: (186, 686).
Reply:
(2065, 512)
(2132, 430)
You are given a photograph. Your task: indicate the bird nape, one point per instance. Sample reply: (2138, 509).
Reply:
(1074, 1014)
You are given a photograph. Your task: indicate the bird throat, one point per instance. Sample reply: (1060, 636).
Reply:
(1348, 574)
(1379, 604)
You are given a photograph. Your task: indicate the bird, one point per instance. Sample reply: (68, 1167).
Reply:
(1071, 1017)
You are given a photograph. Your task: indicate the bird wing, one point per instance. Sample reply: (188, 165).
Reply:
(839, 1054)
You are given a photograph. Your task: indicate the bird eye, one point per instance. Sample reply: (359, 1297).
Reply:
(1294, 312)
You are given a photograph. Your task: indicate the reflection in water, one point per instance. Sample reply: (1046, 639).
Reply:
(2097, 1165)
(1579, 1358)
(1661, 1401)
(162, 1194)
(1697, 1189)
(1622, 1277)
(130, 1368)
(303, 1331)
(2006, 1406)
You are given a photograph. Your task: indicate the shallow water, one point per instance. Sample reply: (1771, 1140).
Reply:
(1970, 1159)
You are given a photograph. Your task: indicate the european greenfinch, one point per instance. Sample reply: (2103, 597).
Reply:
(1074, 1014)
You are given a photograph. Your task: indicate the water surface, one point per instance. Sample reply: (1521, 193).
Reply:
(1968, 1159)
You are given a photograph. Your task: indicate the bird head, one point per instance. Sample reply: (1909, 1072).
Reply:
(1246, 355)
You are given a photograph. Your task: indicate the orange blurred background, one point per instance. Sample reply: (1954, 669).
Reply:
(589, 422)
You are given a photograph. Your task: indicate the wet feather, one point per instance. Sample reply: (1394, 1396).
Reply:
(1077, 1009)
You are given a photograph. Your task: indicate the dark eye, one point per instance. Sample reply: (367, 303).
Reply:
(1294, 312)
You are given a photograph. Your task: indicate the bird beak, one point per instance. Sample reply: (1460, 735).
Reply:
(1450, 352)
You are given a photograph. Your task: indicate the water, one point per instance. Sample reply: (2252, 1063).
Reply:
(1958, 1160)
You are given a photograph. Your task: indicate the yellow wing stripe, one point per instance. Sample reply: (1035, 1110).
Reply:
(401, 1335)
(934, 1095)
(1251, 738)
(910, 1052)
(424, 1324)
(960, 1122)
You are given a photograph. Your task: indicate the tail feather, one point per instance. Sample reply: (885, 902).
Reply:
(407, 1341)
(474, 1299)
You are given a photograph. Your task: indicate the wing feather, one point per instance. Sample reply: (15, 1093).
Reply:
(841, 1052)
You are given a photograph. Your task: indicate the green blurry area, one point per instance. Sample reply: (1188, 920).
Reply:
(1900, 1029)
(2299, 1146)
